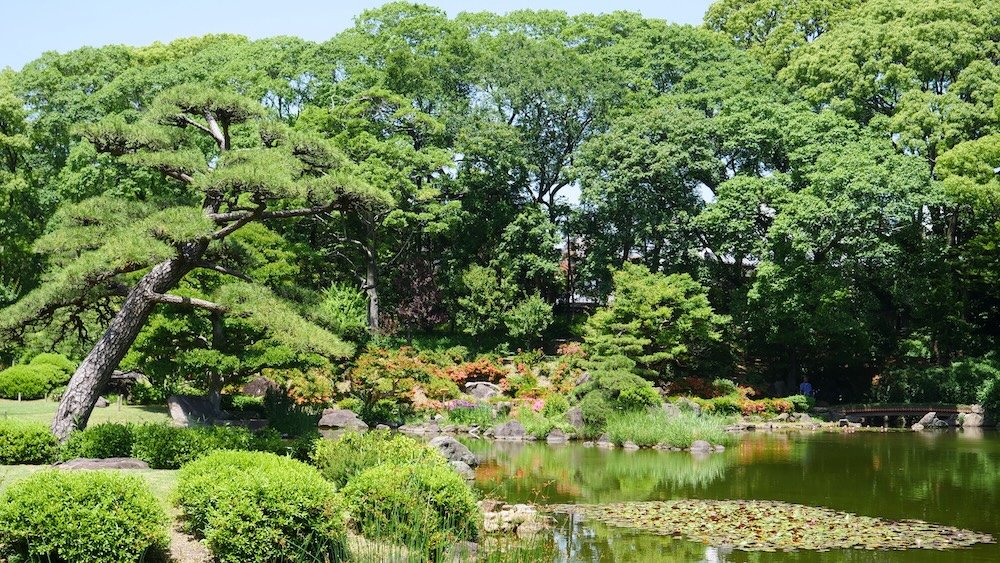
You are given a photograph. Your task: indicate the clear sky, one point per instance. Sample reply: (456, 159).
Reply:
(29, 28)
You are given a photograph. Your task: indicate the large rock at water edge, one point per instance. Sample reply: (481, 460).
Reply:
(463, 469)
(186, 410)
(557, 436)
(701, 446)
(972, 420)
(483, 390)
(511, 430)
(341, 419)
(927, 419)
(453, 450)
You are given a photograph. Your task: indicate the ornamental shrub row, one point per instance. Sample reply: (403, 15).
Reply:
(35, 379)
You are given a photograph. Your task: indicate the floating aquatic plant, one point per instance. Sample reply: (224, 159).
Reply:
(756, 525)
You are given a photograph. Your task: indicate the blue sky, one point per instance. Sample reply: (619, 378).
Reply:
(27, 29)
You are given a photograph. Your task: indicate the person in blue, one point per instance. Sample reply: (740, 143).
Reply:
(806, 388)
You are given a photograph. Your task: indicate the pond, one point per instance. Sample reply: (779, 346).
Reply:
(947, 477)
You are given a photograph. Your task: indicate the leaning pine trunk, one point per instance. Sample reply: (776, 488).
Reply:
(94, 373)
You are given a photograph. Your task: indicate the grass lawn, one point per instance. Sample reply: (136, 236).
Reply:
(44, 410)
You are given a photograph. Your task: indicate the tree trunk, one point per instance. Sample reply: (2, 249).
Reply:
(371, 290)
(95, 371)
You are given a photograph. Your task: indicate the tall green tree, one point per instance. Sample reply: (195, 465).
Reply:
(235, 169)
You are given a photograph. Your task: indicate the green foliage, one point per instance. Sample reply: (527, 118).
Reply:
(724, 386)
(168, 447)
(341, 459)
(260, 507)
(81, 516)
(481, 416)
(539, 425)
(421, 506)
(989, 397)
(26, 443)
(343, 311)
(27, 381)
(65, 366)
(959, 382)
(801, 403)
(529, 318)
(595, 409)
(100, 441)
(656, 426)
(659, 322)
(485, 300)
(555, 404)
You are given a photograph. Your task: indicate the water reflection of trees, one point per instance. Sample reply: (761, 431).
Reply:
(542, 473)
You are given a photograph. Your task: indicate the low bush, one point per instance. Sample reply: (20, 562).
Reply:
(80, 516)
(63, 366)
(261, 507)
(555, 405)
(26, 442)
(100, 441)
(471, 414)
(654, 426)
(168, 447)
(538, 425)
(595, 409)
(27, 381)
(801, 403)
(989, 397)
(724, 387)
(341, 459)
(424, 507)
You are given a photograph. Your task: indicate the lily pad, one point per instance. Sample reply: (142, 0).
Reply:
(759, 525)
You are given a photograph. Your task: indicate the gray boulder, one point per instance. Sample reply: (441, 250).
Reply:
(927, 419)
(701, 446)
(186, 410)
(483, 390)
(630, 445)
(604, 442)
(557, 436)
(463, 469)
(917, 427)
(109, 463)
(259, 387)
(972, 420)
(341, 419)
(102, 403)
(453, 450)
(574, 416)
(671, 409)
(511, 430)
(938, 423)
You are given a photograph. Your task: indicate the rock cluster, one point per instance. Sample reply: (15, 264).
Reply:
(520, 519)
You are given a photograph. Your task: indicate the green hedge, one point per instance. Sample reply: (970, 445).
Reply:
(163, 446)
(26, 442)
(26, 381)
(92, 516)
(341, 459)
(261, 507)
(424, 507)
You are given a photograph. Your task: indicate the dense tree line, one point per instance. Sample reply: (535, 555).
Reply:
(825, 169)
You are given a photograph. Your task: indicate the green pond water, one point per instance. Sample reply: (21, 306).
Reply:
(947, 477)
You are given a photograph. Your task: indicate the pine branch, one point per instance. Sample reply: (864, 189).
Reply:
(222, 269)
(186, 301)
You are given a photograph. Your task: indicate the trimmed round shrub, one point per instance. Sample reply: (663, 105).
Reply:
(555, 404)
(81, 516)
(26, 442)
(27, 381)
(256, 506)
(595, 409)
(169, 447)
(341, 459)
(101, 441)
(64, 367)
(424, 507)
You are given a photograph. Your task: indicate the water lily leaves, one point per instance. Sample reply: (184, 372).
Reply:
(757, 525)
